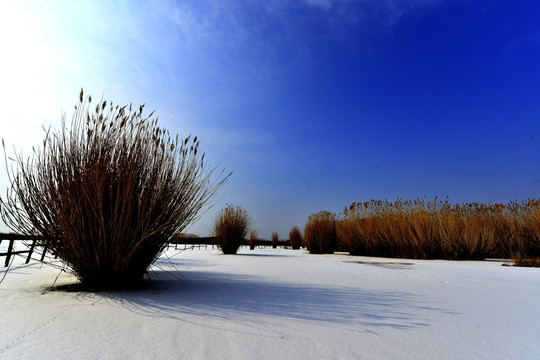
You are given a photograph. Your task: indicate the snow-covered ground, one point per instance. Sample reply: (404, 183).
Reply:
(278, 304)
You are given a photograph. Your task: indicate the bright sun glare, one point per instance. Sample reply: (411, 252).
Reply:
(26, 70)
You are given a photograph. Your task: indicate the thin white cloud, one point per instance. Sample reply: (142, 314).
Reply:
(323, 4)
(396, 9)
(251, 30)
(390, 11)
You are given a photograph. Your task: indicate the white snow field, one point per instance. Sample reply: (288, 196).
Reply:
(278, 304)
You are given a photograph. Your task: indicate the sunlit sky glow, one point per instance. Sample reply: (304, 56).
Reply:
(313, 104)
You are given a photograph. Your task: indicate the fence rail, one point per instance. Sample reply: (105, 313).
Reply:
(11, 238)
(210, 241)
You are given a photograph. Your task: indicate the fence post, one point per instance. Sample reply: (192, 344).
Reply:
(10, 249)
(31, 251)
(44, 252)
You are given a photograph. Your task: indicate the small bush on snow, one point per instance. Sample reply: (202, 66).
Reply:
(295, 238)
(230, 228)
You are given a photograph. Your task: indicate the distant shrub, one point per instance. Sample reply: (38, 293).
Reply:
(252, 239)
(230, 228)
(320, 233)
(275, 239)
(108, 192)
(295, 238)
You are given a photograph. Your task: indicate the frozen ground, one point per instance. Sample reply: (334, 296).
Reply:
(278, 304)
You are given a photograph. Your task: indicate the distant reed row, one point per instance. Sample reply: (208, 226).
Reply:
(435, 229)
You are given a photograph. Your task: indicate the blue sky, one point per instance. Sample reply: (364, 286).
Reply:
(313, 104)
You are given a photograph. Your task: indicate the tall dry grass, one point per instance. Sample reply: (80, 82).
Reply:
(420, 229)
(230, 228)
(108, 191)
(320, 234)
(295, 238)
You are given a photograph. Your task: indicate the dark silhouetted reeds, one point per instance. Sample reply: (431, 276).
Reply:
(295, 238)
(108, 192)
(183, 238)
(320, 236)
(426, 230)
(275, 239)
(230, 228)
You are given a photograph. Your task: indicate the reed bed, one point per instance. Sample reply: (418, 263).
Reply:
(108, 192)
(439, 229)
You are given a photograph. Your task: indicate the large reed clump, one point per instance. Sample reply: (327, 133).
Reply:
(419, 229)
(230, 228)
(295, 238)
(108, 192)
(320, 235)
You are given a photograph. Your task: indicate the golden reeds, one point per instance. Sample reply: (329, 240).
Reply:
(320, 236)
(295, 238)
(420, 229)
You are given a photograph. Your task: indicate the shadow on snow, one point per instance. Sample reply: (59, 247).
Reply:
(240, 297)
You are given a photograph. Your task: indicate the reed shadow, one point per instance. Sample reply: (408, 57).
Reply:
(234, 297)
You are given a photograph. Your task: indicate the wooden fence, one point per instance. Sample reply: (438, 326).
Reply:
(11, 238)
(205, 241)
(33, 243)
